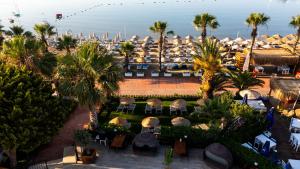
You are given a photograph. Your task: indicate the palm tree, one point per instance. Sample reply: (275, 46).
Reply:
(202, 21)
(29, 52)
(66, 42)
(160, 28)
(1, 36)
(210, 62)
(254, 20)
(90, 75)
(18, 31)
(295, 22)
(127, 49)
(44, 30)
(244, 80)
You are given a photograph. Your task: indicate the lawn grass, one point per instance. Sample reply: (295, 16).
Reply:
(139, 113)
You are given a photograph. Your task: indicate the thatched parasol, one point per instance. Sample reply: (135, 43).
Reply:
(273, 56)
(150, 122)
(180, 121)
(145, 139)
(250, 93)
(154, 102)
(285, 89)
(201, 102)
(126, 100)
(119, 121)
(179, 103)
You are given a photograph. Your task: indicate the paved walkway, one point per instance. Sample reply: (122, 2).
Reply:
(54, 150)
(126, 159)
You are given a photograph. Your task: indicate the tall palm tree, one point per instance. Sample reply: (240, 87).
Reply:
(204, 20)
(209, 60)
(127, 49)
(18, 31)
(160, 28)
(44, 30)
(295, 22)
(244, 80)
(89, 75)
(22, 51)
(66, 42)
(254, 20)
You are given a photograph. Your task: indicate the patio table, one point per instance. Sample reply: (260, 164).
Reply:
(295, 164)
(180, 147)
(118, 141)
(295, 123)
(263, 139)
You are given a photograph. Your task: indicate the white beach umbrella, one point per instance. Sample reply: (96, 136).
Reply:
(267, 46)
(227, 39)
(239, 40)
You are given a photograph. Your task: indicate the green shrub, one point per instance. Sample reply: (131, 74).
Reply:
(245, 158)
(29, 115)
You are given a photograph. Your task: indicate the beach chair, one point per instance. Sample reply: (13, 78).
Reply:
(120, 108)
(154, 74)
(167, 74)
(140, 74)
(128, 74)
(186, 74)
(183, 110)
(148, 109)
(158, 109)
(173, 110)
(131, 108)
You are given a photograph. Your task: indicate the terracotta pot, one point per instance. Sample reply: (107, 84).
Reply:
(88, 158)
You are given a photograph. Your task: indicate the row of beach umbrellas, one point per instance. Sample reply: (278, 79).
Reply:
(150, 122)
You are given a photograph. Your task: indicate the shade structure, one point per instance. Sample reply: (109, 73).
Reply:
(126, 100)
(119, 121)
(150, 122)
(250, 93)
(154, 102)
(180, 121)
(145, 139)
(179, 103)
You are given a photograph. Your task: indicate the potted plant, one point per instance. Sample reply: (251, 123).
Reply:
(83, 138)
(168, 158)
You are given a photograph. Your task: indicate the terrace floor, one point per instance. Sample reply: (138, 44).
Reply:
(126, 159)
(169, 86)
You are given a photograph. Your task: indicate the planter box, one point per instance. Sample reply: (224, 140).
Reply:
(87, 159)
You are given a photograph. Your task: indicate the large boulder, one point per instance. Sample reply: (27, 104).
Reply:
(219, 153)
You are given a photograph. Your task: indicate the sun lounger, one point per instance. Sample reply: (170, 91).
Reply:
(128, 74)
(131, 108)
(198, 74)
(140, 74)
(186, 74)
(167, 74)
(154, 74)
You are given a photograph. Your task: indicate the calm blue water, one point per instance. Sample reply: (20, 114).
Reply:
(132, 17)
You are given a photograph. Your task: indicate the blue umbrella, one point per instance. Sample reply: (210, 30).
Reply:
(245, 99)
